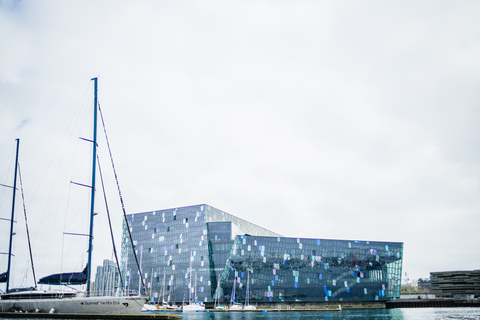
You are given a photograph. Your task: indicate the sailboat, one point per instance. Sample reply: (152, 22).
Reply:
(248, 306)
(170, 306)
(234, 305)
(60, 302)
(150, 306)
(193, 305)
(5, 277)
(216, 303)
(157, 307)
(166, 303)
(25, 292)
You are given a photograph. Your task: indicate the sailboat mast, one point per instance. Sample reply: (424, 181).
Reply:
(126, 273)
(13, 216)
(195, 288)
(190, 276)
(92, 197)
(151, 283)
(248, 280)
(163, 288)
(140, 273)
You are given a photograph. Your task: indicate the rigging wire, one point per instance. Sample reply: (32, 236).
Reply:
(109, 221)
(121, 198)
(26, 225)
(5, 172)
(57, 160)
(70, 127)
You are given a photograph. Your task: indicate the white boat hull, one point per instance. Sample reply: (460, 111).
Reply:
(193, 308)
(99, 305)
(235, 307)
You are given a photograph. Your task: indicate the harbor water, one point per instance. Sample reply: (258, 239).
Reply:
(356, 314)
(374, 314)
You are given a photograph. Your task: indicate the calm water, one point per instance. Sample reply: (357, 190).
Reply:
(383, 314)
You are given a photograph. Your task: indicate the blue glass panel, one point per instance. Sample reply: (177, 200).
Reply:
(218, 253)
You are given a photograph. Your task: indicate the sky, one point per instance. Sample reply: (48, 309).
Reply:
(336, 119)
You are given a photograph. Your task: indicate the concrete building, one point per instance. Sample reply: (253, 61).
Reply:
(456, 284)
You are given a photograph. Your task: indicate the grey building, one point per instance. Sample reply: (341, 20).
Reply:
(456, 284)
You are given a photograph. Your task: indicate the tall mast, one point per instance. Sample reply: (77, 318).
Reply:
(13, 216)
(164, 286)
(247, 303)
(140, 277)
(126, 273)
(190, 276)
(92, 197)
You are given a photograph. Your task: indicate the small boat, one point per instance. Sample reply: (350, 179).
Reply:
(216, 304)
(150, 307)
(193, 305)
(234, 306)
(167, 305)
(248, 306)
(171, 307)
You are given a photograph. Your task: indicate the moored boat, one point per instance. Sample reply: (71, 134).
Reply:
(235, 307)
(65, 302)
(193, 307)
(248, 306)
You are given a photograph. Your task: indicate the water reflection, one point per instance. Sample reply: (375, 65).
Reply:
(377, 314)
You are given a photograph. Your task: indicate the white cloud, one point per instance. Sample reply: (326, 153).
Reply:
(328, 120)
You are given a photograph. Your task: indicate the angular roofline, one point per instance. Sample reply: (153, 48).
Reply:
(205, 204)
(257, 226)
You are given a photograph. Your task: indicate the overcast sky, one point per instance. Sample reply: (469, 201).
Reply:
(350, 120)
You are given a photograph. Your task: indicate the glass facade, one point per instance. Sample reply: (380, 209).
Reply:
(201, 251)
(296, 269)
(106, 279)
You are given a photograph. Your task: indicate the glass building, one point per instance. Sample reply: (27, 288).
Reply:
(107, 279)
(199, 252)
